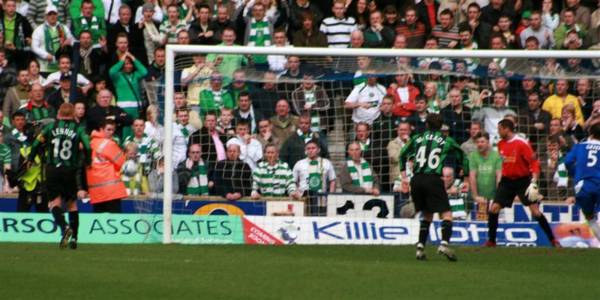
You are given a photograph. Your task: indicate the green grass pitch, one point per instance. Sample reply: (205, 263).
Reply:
(42, 271)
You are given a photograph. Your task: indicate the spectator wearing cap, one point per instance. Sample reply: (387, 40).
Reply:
(149, 27)
(481, 30)
(412, 28)
(544, 35)
(17, 34)
(568, 24)
(16, 96)
(215, 98)
(87, 21)
(48, 39)
(36, 14)
(64, 67)
(62, 95)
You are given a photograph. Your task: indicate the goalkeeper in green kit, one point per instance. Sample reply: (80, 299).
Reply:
(428, 151)
(63, 169)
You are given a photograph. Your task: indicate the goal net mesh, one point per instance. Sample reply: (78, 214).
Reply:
(377, 102)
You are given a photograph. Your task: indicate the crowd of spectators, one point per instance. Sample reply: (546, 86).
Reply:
(261, 125)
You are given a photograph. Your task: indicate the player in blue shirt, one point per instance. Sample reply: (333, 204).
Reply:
(583, 164)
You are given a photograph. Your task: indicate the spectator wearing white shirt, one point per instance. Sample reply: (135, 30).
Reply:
(111, 11)
(64, 66)
(277, 62)
(181, 133)
(158, 12)
(314, 175)
(60, 37)
(250, 148)
(338, 27)
(544, 35)
(365, 100)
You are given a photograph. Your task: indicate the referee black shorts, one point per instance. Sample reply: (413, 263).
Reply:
(428, 193)
(509, 188)
(61, 182)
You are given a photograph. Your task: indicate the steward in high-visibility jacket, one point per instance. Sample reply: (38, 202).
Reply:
(103, 176)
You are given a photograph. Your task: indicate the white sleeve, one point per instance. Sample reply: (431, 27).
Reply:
(138, 15)
(37, 43)
(68, 34)
(323, 27)
(353, 97)
(81, 80)
(158, 14)
(330, 170)
(255, 150)
(52, 79)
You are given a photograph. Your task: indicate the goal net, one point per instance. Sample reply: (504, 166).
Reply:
(304, 142)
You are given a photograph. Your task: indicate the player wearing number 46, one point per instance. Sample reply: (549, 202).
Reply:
(428, 151)
(583, 165)
(520, 172)
(63, 168)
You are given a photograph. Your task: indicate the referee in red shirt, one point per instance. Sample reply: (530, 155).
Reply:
(520, 172)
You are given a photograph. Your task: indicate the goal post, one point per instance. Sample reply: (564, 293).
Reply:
(173, 50)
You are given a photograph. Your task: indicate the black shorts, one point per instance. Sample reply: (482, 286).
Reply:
(428, 193)
(61, 182)
(509, 188)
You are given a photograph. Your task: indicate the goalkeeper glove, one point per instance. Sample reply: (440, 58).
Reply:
(533, 192)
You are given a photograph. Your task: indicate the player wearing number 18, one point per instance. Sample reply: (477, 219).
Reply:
(63, 168)
(428, 151)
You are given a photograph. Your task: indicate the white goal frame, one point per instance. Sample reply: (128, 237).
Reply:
(172, 50)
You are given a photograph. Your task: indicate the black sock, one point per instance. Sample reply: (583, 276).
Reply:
(59, 218)
(424, 232)
(446, 230)
(492, 226)
(545, 226)
(74, 222)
